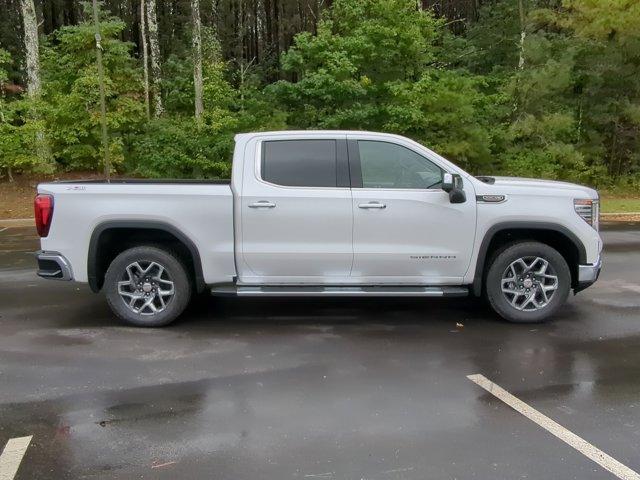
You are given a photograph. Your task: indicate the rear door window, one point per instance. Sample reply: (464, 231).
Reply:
(300, 163)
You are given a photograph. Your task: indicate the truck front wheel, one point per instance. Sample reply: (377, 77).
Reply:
(147, 286)
(527, 282)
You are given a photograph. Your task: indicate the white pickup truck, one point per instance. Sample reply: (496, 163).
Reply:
(323, 213)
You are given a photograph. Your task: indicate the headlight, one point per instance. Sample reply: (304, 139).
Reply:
(589, 210)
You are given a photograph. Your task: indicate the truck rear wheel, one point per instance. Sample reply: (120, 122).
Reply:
(147, 286)
(527, 282)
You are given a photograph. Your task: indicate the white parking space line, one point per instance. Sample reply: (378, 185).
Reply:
(605, 461)
(12, 455)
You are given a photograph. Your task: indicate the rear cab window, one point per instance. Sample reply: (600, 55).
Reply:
(320, 163)
(300, 163)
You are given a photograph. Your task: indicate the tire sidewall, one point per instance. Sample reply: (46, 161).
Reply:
(176, 271)
(500, 263)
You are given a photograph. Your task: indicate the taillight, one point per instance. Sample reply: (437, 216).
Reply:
(43, 208)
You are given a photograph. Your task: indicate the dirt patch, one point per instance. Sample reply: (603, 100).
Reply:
(16, 198)
(608, 217)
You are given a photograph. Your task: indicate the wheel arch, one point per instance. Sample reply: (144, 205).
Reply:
(552, 234)
(104, 246)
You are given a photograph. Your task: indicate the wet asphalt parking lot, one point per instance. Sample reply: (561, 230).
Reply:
(316, 388)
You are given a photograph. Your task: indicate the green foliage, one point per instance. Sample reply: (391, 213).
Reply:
(5, 62)
(373, 65)
(178, 79)
(177, 85)
(571, 111)
(180, 148)
(447, 111)
(19, 132)
(574, 105)
(541, 147)
(22, 130)
(493, 41)
(345, 71)
(71, 91)
(608, 80)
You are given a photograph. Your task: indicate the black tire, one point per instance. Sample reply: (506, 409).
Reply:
(163, 309)
(502, 302)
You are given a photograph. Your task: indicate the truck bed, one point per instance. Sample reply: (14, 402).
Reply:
(148, 181)
(201, 210)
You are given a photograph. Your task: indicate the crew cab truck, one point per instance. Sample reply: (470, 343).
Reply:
(323, 213)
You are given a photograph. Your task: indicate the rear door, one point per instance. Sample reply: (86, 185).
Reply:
(405, 229)
(296, 211)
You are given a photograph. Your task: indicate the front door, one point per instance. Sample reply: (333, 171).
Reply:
(296, 212)
(405, 229)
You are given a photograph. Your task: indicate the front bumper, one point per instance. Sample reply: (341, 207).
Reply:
(588, 274)
(53, 266)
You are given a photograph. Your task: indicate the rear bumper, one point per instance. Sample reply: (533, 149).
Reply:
(588, 274)
(53, 266)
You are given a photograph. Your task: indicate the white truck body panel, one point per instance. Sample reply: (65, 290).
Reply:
(420, 237)
(319, 236)
(305, 238)
(202, 212)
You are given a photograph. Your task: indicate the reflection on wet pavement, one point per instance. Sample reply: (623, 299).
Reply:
(296, 388)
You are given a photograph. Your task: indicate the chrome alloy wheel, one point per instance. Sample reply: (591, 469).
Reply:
(529, 283)
(146, 288)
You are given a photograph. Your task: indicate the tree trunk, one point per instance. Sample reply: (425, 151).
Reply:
(214, 14)
(145, 58)
(103, 105)
(268, 32)
(69, 13)
(33, 78)
(240, 33)
(523, 33)
(256, 42)
(276, 27)
(31, 46)
(152, 23)
(197, 58)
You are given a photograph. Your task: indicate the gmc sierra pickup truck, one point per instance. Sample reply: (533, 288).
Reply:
(323, 213)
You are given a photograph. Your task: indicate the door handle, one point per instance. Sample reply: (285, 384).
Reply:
(262, 204)
(372, 205)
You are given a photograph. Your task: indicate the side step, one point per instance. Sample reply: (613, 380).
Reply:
(347, 291)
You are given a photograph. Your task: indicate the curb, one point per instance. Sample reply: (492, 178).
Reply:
(17, 222)
(622, 214)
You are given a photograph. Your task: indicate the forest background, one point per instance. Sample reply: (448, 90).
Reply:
(539, 88)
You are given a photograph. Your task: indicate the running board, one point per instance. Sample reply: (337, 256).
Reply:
(350, 291)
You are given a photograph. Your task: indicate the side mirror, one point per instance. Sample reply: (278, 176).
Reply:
(452, 184)
(457, 196)
(447, 182)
